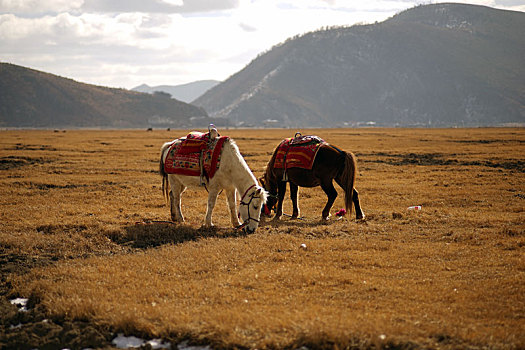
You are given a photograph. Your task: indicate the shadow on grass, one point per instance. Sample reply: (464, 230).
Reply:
(307, 222)
(149, 234)
(153, 234)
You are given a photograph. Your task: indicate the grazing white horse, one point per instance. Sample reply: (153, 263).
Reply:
(233, 175)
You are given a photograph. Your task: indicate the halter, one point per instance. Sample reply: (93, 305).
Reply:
(248, 205)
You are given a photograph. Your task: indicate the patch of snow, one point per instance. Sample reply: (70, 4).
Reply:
(122, 342)
(184, 346)
(158, 344)
(21, 303)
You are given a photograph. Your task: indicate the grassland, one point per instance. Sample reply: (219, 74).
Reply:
(82, 235)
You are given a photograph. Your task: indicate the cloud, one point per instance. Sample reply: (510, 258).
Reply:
(126, 49)
(515, 5)
(36, 7)
(104, 6)
(203, 6)
(174, 2)
(158, 6)
(247, 27)
(509, 2)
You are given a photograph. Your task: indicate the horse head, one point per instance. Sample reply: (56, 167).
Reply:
(250, 207)
(271, 200)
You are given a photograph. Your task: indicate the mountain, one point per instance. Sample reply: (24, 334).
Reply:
(186, 92)
(433, 65)
(30, 98)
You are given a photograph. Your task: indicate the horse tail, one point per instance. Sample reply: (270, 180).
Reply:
(347, 179)
(162, 171)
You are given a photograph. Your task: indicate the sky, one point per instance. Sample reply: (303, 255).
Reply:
(125, 43)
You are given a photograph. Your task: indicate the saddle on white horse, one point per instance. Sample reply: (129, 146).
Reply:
(197, 154)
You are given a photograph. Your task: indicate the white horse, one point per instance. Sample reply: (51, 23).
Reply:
(233, 176)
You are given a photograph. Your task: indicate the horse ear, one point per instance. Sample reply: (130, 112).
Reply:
(261, 180)
(258, 191)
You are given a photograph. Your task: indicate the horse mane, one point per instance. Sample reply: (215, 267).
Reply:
(237, 153)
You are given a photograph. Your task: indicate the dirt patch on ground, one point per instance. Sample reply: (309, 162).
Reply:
(20, 264)
(150, 234)
(46, 186)
(433, 159)
(24, 147)
(13, 162)
(486, 142)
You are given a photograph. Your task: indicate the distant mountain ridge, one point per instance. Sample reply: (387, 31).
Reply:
(433, 65)
(185, 92)
(31, 98)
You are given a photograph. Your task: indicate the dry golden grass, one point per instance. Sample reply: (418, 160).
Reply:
(449, 276)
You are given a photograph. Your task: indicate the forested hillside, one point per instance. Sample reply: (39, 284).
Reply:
(30, 98)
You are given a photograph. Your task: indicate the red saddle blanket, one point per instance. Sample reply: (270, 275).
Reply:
(297, 152)
(184, 155)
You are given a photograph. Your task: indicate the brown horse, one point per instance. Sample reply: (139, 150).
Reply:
(330, 164)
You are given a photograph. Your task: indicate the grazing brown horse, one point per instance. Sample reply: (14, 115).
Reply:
(329, 163)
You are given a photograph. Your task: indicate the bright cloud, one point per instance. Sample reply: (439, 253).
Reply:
(38, 6)
(127, 43)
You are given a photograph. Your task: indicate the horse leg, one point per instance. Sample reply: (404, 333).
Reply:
(281, 191)
(212, 199)
(231, 197)
(331, 193)
(294, 189)
(176, 189)
(359, 215)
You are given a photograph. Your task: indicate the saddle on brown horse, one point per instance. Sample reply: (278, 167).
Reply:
(297, 152)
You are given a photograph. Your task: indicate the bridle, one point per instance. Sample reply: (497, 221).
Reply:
(243, 202)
